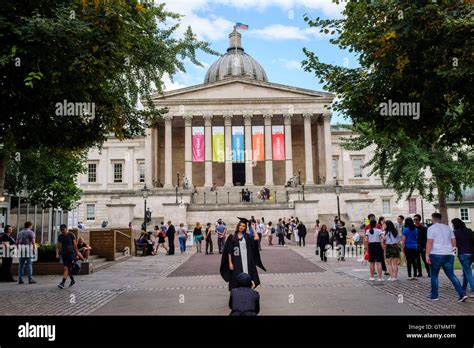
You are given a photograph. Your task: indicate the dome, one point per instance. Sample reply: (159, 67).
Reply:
(235, 63)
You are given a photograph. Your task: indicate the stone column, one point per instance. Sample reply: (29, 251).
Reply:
(149, 153)
(168, 184)
(228, 149)
(248, 149)
(288, 147)
(208, 150)
(268, 149)
(188, 151)
(308, 149)
(328, 147)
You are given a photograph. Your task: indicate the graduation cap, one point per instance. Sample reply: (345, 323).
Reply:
(244, 220)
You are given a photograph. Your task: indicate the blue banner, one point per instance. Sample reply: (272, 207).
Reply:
(238, 144)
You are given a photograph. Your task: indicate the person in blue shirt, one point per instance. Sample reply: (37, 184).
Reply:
(410, 247)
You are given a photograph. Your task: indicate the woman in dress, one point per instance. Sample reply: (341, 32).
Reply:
(197, 234)
(241, 255)
(322, 242)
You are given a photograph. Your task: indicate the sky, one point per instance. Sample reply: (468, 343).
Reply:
(276, 36)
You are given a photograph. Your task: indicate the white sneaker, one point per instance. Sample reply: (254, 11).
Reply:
(380, 280)
(371, 278)
(389, 279)
(394, 279)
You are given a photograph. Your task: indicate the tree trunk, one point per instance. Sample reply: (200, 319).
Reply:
(443, 209)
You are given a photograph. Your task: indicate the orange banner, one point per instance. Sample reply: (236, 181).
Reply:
(258, 148)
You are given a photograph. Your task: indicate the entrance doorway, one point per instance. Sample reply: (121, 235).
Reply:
(238, 174)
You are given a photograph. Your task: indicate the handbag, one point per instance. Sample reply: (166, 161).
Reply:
(366, 255)
(76, 267)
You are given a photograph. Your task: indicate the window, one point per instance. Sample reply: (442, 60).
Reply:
(92, 172)
(464, 214)
(412, 206)
(357, 164)
(118, 172)
(386, 207)
(141, 171)
(90, 212)
(334, 167)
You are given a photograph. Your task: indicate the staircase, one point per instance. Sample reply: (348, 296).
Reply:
(97, 263)
(328, 220)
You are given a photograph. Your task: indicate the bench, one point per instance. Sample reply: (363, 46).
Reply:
(140, 247)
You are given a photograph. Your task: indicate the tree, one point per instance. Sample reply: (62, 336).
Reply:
(412, 54)
(48, 175)
(106, 55)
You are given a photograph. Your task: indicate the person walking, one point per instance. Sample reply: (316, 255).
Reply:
(391, 245)
(67, 247)
(340, 236)
(8, 243)
(465, 245)
(161, 234)
(280, 232)
(322, 242)
(182, 237)
(270, 233)
(422, 240)
(208, 236)
(301, 228)
(373, 242)
(260, 228)
(439, 254)
(221, 230)
(26, 248)
(171, 231)
(410, 247)
(197, 234)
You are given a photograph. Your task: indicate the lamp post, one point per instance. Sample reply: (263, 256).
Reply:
(145, 192)
(337, 189)
(177, 175)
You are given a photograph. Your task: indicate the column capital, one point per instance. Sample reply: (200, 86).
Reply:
(327, 115)
(188, 120)
(287, 118)
(228, 118)
(167, 119)
(267, 115)
(207, 119)
(247, 118)
(307, 115)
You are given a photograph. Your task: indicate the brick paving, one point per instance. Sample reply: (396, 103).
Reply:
(412, 292)
(297, 284)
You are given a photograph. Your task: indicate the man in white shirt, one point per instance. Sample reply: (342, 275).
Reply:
(440, 254)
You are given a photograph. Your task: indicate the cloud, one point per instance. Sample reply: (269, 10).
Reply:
(169, 85)
(290, 64)
(285, 32)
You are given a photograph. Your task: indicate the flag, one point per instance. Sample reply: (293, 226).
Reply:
(242, 26)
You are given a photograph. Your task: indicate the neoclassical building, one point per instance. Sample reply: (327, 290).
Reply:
(237, 130)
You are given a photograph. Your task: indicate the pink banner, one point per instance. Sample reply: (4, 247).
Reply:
(198, 144)
(278, 143)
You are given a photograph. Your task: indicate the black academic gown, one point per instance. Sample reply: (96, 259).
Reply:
(253, 260)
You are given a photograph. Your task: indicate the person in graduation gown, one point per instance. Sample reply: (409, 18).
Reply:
(241, 255)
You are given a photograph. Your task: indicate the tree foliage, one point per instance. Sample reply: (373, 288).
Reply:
(409, 52)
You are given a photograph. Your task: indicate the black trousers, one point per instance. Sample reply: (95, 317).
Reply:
(302, 240)
(209, 246)
(411, 255)
(171, 246)
(422, 256)
(281, 239)
(322, 253)
(5, 271)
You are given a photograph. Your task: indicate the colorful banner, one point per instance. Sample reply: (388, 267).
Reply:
(238, 144)
(198, 144)
(218, 144)
(278, 143)
(258, 148)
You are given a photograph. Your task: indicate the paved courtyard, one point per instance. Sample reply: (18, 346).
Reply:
(297, 283)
